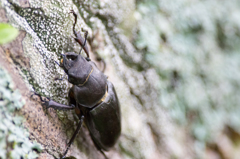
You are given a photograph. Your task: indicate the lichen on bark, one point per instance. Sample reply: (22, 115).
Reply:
(146, 128)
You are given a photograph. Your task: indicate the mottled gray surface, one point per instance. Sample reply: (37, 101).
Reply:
(46, 32)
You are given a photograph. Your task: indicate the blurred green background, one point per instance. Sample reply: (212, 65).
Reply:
(195, 47)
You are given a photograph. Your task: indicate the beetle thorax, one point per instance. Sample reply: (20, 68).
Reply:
(77, 68)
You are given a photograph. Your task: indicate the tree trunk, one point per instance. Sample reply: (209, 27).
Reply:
(45, 33)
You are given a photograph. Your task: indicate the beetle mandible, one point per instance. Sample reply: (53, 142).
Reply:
(92, 96)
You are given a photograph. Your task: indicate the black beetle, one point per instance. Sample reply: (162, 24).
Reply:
(92, 96)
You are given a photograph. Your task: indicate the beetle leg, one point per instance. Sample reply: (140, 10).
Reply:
(55, 105)
(74, 135)
(84, 44)
(52, 104)
(103, 154)
(79, 38)
(75, 21)
(103, 62)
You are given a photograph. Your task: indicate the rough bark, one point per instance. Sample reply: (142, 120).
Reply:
(46, 32)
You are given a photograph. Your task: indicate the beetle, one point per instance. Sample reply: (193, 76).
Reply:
(92, 96)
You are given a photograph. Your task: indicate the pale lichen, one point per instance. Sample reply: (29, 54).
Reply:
(14, 138)
(49, 33)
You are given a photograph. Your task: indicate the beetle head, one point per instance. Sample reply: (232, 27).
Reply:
(76, 67)
(68, 61)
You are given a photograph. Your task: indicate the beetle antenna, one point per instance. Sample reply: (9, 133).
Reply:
(57, 63)
(51, 59)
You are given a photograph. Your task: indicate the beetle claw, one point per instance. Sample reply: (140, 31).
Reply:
(46, 104)
(44, 101)
(71, 11)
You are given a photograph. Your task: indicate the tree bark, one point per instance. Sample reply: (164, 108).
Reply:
(46, 32)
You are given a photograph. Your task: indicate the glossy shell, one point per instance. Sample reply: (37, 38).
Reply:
(104, 120)
(91, 92)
